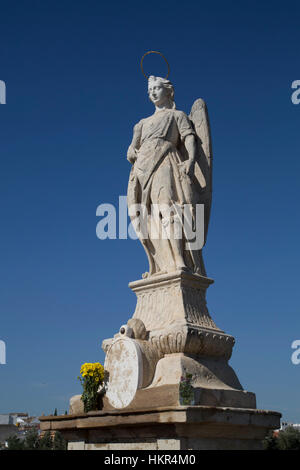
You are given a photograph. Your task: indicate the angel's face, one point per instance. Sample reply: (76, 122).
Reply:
(158, 94)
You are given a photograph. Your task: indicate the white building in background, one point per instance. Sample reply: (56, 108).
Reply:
(285, 425)
(16, 423)
(8, 424)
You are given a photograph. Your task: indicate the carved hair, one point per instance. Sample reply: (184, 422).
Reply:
(167, 85)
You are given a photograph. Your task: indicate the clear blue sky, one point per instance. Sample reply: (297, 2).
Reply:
(74, 92)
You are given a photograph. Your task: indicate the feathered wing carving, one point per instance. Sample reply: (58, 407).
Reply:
(203, 166)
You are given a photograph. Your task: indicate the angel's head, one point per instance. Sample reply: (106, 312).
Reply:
(161, 92)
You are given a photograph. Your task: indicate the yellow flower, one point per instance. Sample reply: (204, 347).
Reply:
(95, 370)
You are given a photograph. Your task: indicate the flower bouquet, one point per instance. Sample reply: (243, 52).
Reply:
(92, 377)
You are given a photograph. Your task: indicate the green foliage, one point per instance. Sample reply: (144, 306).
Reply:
(287, 439)
(186, 390)
(46, 442)
(55, 412)
(270, 442)
(32, 439)
(90, 394)
(59, 442)
(14, 443)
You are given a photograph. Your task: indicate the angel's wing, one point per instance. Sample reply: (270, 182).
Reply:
(203, 167)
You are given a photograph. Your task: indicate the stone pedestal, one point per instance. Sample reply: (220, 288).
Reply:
(168, 428)
(178, 337)
(170, 335)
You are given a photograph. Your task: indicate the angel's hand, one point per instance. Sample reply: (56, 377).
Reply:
(189, 167)
(131, 155)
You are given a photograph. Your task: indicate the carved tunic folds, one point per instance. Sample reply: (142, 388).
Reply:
(157, 178)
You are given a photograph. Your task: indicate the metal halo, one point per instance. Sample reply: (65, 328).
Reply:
(154, 52)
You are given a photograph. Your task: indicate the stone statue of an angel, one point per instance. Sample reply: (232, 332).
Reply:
(171, 162)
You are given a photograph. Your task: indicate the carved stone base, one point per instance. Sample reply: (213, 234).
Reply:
(171, 335)
(211, 385)
(174, 298)
(169, 428)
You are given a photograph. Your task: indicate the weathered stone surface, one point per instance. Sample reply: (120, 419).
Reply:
(76, 405)
(197, 427)
(171, 170)
(125, 366)
(180, 338)
(209, 389)
(177, 297)
(77, 445)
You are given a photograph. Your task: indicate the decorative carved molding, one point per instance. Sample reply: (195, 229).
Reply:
(177, 297)
(192, 341)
